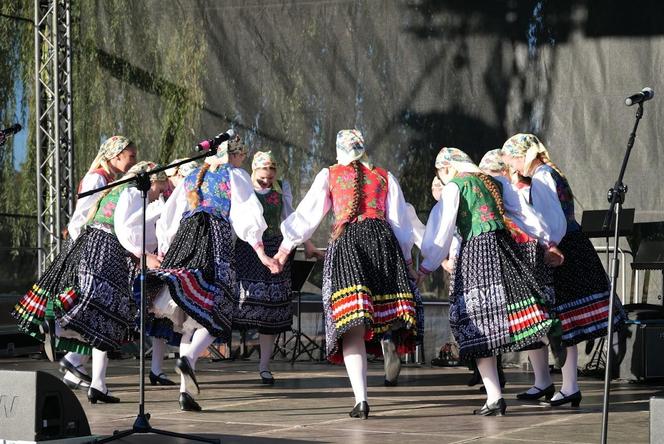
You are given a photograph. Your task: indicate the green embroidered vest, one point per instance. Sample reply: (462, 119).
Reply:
(272, 203)
(105, 214)
(478, 211)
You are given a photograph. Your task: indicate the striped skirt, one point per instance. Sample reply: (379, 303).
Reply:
(196, 285)
(265, 298)
(496, 304)
(365, 282)
(582, 292)
(86, 290)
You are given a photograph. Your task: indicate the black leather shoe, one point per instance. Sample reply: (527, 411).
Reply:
(496, 408)
(183, 368)
(361, 410)
(95, 395)
(188, 404)
(81, 384)
(66, 366)
(574, 399)
(391, 383)
(160, 379)
(47, 328)
(266, 377)
(546, 392)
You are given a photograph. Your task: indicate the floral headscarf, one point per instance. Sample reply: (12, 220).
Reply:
(350, 147)
(108, 150)
(493, 162)
(524, 145)
(144, 166)
(263, 159)
(454, 157)
(183, 170)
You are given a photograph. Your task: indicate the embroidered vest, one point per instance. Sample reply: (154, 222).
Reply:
(272, 203)
(342, 192)
(478, 211)
(214, 194)
(105, 214)
(108, 177)
(565, 197)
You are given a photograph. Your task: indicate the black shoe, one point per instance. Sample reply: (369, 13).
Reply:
(361, 410)
(80, 385)
(574, 399)
(160, 379)
(497, 408)
(266, 377)
(188, 404)
(183, 368)
(546, 392)
(47, 328)
(95, 395)
(391, 383)
(66, 366)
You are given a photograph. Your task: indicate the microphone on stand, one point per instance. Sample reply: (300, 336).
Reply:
(645, 94)
(15, 128)
(208, 144)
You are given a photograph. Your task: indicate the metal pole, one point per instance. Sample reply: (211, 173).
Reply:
(38, 105)
(55, 174)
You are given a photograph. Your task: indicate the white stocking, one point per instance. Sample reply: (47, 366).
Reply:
(200, 341)
(488, 368)
(570, 382)
(267, 345)
(355, 358)
(99, 365)
(539, 359)
(158, 349)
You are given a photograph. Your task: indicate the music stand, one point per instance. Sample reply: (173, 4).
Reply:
(592, 222)
(650, 256)
(300, 271)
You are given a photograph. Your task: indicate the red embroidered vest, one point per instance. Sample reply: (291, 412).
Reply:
(342, 191)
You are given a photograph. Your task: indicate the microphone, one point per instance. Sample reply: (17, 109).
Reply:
(209, 144)
(15, 128)
(645, 94)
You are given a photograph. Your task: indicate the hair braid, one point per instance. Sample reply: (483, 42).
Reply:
(192, 196)
(495, 192)
(357, 198)
(92, 212)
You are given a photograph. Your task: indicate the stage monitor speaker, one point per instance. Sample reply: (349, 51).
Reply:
(641, 348)
(36, 406)
(656, 420)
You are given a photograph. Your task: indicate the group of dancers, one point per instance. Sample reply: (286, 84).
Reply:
(220, 244)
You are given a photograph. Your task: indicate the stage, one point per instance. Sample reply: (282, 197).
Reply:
(310, 403)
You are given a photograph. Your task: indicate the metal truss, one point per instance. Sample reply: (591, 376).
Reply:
(55, 155)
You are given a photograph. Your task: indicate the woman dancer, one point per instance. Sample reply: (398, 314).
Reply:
(196, 285)
(265, 298)
(495, 304)
(580, 284)
(35, 310)
(366, 292)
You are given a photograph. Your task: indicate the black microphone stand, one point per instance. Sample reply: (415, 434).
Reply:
(616, 197)
(142, 423)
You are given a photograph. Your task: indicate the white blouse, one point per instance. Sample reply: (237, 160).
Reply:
(300, 225)
(440, 229)
(246, 214)
(544, 199)
(128, 221)
(528, 218)
(90, 181)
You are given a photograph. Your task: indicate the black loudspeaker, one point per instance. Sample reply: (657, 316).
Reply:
(36, 406)
(656, 420)
(641, 348)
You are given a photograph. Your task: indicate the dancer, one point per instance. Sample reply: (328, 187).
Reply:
(196, 285)
(366, 289)
(495, 305)
(265, 299)
(580, 283)
(35, 310)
